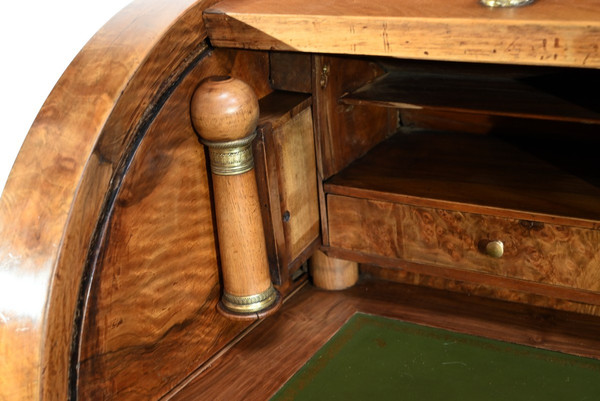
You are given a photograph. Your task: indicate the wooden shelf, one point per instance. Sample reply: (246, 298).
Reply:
(471, 173)
(279, 107)
(555, 94)
(547, 32)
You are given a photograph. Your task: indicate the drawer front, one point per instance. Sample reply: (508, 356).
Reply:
(532, 251)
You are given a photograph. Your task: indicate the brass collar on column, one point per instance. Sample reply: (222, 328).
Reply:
(231, 158)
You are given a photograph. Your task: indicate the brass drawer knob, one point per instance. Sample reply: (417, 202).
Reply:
(495, 249)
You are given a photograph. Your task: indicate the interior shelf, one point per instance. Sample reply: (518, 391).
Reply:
(471, 173)
(557, 94)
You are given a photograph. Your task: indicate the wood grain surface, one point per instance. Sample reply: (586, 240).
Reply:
(291, 71)
(538, 253)
(490, 289)
(150, 317)
(297, 174)
(54, 196)
(282, 344)
(245, 268)
(474, 173)
(523, 128)
(518, 92)
(549, 32)
(344, 133)
(285, 167)
(225, 109)
(331, 273)
(279, 107)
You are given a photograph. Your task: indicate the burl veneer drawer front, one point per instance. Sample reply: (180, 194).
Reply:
(532, 251)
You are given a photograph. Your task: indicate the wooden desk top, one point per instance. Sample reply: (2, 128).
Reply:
(312, 316)
(547, 32)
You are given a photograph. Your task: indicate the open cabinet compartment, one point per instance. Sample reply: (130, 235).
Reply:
(484, 154)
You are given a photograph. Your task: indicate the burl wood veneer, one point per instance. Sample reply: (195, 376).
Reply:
(472, 209)
(152, 299)
(547, 254)
(108, 240)
(67, 169)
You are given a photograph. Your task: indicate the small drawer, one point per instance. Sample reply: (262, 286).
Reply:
(533, 251)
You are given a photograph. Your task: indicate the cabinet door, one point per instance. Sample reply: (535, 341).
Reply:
(287, 175)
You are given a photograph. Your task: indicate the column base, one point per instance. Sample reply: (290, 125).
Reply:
(250, 306)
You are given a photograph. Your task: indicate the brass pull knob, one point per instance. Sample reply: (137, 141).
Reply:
(495, 249)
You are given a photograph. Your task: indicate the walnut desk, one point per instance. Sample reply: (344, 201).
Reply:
(446, 151)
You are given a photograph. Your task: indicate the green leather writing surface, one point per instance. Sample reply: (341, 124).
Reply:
(375, 358)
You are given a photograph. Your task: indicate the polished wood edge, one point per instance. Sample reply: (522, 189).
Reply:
(104, 219)
(362, 193)
(207, 365)
(316, 67)
(480, 36)
(57, 188)
(477, 289)
(552, 291)
(209, 362)
(268, 193)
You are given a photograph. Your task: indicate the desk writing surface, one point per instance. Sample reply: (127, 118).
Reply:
(378, 358)
(547, 32)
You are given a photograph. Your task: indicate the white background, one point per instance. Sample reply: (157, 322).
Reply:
(38, 40)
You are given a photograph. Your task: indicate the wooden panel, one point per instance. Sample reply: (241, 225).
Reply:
(150, 317)
(287, 172)
(298, 183)
(562, 294)
(532, 93)
(346, 132)
(537, 253)
(279, 107)
(276, 110)
(479, 289)
(542, 253)
(291, 71)
(311, 317)
(472, 173)
(448, 121)
(268, 194)
(525, 129)
(54, 197)
(549, 32)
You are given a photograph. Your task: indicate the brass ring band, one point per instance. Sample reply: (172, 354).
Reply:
(506, 3)
(250, 303)
(231, 158)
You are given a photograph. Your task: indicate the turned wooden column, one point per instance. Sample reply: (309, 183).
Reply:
(224, 112)
(331, 273)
